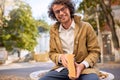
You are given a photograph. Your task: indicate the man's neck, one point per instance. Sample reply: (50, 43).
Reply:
(67, 24)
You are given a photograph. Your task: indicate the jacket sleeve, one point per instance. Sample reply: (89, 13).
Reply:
(53, 52)
(92, 46)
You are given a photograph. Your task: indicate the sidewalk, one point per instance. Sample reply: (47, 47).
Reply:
(10, 65)
(109, 67)
(24, 65)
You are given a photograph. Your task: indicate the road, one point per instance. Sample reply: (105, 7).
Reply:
(22, 70)
(25, 71)
(115, 71)
(113, 68)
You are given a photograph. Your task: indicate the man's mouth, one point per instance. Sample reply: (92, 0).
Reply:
(62, 18)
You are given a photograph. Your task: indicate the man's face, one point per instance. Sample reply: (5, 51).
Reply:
(62, 13)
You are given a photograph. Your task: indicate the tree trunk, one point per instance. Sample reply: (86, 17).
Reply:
(110, 22)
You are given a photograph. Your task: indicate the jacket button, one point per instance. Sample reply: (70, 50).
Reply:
(76, 42)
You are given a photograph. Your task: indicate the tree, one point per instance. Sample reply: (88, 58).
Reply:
(44, 25)
(21, 31)
(2, 20)
(4, 5)
(89, 8)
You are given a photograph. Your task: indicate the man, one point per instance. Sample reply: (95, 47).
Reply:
(70, 35)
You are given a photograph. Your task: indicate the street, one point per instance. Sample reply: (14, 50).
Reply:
(26, 69)
(113, 68)
(22, 70)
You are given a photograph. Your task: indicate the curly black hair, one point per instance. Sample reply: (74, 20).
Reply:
(67, 3)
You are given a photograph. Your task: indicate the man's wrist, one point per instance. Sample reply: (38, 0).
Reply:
(86, 64)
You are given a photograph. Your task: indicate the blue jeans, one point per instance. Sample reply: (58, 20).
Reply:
(63, 75)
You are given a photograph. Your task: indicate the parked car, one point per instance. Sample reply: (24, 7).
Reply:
(3, 55)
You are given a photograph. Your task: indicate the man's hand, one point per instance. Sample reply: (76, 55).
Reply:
(79, 68)
(63, 60)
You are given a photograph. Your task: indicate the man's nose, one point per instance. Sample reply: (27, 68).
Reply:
(61, 12)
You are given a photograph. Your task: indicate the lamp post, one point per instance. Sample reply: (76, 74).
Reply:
(99, 34)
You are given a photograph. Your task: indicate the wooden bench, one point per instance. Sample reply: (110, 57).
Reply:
(37, 74)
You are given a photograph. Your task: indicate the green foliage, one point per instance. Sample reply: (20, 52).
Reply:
(3, 24)
(103, 10)
(43, 24)
(22, 29)
(90, 8)
(86, 4)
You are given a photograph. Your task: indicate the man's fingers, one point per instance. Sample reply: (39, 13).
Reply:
(64, 63)
(64, 60)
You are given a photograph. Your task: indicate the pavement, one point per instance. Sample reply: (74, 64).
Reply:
(10, 65)
(111, 67)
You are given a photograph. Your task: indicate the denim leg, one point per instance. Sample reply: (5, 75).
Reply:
(54, 75)
(91, 76)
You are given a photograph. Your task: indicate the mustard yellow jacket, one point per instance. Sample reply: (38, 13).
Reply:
(85, 45)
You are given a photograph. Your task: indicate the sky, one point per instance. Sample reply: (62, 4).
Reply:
(39, 8)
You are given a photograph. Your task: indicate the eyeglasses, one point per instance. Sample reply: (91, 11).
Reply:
(62, 9)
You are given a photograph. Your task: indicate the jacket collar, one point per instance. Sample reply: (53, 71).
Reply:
(56, 32)
(56, 26)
